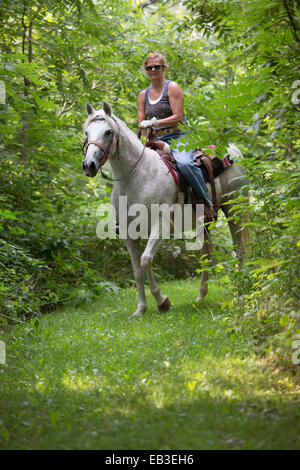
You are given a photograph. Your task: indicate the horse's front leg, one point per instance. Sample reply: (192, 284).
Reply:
(133, 248)
(153, 245)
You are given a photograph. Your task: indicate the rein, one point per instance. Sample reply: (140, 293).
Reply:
(110, 148)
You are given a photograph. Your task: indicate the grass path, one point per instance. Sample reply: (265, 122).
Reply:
(92, 378)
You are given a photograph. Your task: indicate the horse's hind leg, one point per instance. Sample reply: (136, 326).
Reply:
(153, 245)
(236, 230)
(206, 254)
(133, 247)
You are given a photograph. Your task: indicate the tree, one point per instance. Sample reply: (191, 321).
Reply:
(253, 101)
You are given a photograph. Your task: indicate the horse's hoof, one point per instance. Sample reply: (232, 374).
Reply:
(200, 297)
(165, 306)
(138, 313)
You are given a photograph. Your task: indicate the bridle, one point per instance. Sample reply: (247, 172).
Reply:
(107, 151)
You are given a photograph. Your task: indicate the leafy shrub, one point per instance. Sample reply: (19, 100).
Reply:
(19, 275)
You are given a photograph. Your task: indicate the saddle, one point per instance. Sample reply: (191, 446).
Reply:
(210, 165)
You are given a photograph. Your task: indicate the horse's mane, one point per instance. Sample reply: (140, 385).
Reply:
(117, 125)
(101, 114)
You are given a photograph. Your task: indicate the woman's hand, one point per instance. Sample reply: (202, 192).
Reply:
(150, 123)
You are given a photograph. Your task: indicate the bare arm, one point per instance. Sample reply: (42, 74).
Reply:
(141, 106)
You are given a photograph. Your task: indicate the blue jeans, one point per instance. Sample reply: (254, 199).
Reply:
(186, 165)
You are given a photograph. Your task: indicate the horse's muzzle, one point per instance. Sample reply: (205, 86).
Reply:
(89, 170)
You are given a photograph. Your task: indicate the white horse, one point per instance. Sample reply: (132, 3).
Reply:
(141, 175)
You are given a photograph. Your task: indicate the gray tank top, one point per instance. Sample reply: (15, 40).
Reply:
(161, 109)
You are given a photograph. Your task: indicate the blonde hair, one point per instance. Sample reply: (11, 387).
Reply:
(157, 55)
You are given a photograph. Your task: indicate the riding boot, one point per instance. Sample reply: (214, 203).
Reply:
(210, 215)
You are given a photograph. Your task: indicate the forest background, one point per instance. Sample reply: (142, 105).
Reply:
(237, 64)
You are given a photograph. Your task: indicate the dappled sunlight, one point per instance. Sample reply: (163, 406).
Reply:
(235, 378)
(218, 369)
(178, 380)
(179, 402)
(70, 382)
(230, 379)
(81, 383)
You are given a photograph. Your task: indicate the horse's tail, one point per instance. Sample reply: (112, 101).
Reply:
(246, 234)
(234, 152)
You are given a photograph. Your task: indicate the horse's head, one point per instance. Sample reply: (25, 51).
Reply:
(101, 138)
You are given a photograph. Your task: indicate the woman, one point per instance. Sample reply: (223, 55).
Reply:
(160, 106)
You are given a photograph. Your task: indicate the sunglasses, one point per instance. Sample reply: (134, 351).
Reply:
(155, 67)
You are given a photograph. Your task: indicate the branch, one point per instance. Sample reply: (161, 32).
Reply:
(151, 2)
(24, 32)
(64, 109)
(96, 84)
(202, 6)
(292, 21)
(30, 43)
(23, 133)
(42, 46)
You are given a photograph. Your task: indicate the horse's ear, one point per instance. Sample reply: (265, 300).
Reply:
(107, 108)
(89, 108)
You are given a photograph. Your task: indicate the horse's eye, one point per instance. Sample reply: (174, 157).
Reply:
(108, 132)
(86, 133)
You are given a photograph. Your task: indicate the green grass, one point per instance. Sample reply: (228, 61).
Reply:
(92, 378)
